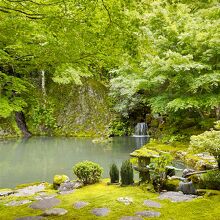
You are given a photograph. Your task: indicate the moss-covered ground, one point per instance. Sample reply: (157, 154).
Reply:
(103, 195)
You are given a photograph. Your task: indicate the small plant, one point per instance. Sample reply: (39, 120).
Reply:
(114, 173)
(58, 179)
(127, 175)
(88, 172)
(211, 180)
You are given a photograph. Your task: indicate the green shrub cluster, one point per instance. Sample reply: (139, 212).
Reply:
(127, 175)
(88, 172)
(211, 180)
(114, 173)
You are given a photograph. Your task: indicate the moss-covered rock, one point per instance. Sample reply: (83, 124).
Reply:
(58, 179)
(171, 184)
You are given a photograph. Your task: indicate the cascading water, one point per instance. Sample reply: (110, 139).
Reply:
(141, 130)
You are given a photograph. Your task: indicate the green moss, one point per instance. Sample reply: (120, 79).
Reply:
(102, 195)
(171, 185)
(58, 179)
(144, 152)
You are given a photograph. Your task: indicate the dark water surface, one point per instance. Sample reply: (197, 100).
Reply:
(40, 158)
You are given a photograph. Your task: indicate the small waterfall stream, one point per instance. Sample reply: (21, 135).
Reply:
(141, 130)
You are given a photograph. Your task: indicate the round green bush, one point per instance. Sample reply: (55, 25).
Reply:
(211, 180)
(88, 172)
(58, 179)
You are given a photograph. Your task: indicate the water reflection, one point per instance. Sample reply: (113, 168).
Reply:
(40, 158)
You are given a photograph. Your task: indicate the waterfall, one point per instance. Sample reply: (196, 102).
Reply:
(141, 129)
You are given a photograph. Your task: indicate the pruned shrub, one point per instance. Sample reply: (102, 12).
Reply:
(114, 173)
(211, 180)
(88, 172)
(127, 175)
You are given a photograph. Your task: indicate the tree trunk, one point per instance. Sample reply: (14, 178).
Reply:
(217, 113)
(20, 119)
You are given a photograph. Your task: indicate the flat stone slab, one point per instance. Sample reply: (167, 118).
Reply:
(100, 211)
(18, 203)
(131, 218)
(80, 204)
(55, 211)
(30, 218)
(30, 190)
(125, 200)
(152, 204)
(45, 204)
(45, 196)
(148, 214)
(176, 196)
(66, 192)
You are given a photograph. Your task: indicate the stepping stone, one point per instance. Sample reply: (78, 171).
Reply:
(131, 218)
(80, 204)
(45, 204)
(30, 190)
(125, 200)
(152, 204)
(45, 196)
(148, 214)
(66, 192)
(100, 211)
(55, 211)
(31, 218)
(176, 196)
(18, 203)
(6, 193)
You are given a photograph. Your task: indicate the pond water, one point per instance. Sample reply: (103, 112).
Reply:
(40, 158)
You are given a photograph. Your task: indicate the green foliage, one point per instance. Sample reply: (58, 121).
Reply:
(88, 172)
(43, 117)
(114, 173)
(127, 175)
(208, 141)
(158, 170)
(211, 180)
(119, 128)
(58, 179)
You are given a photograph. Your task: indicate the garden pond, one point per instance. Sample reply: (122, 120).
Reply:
(40, 158)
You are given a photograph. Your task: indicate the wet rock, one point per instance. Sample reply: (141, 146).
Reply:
(55, 211)
(125, 200)
(187, 188)
(30, 190)
(31, 218)
(148, 214)
(152, 204)
(18, 203)
(176, 196)
(131, 218)
(45, 204)
(80, 204)
(100, 211)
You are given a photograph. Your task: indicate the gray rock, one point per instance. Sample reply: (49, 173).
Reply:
(131, 218)
(6, 193)
(148, 214)
(187, 188)
(30, 190)
(45, 196)
(80, 204)
(152, 204)
(45, 204)
(187, 171)
(100, 211)
(18, 203)
(66, 192)
(69, 186)
(31, 218)
(55, 211)
(176, 196)
(125, 200)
